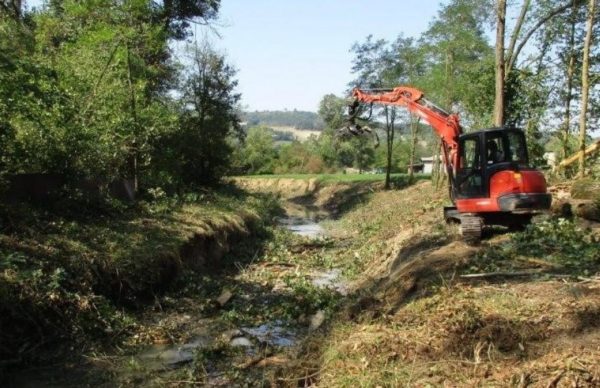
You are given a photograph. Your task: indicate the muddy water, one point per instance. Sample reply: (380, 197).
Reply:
(302, 226)
(275, 334)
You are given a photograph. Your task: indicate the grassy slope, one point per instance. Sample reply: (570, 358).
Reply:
(416, 322)
(66, 273)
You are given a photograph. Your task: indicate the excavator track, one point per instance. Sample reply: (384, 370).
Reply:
(471, 227)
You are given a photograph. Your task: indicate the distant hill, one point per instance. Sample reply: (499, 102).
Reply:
(297, 119)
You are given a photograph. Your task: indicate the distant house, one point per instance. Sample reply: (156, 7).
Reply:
(416, 168)
(427, 162)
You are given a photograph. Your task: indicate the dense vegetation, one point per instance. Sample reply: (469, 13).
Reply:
(92, 93)
(92, 90)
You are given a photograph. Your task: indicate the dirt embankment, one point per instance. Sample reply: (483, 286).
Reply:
(79, 278)
(418, 321)
(284, 187)
(334, 198)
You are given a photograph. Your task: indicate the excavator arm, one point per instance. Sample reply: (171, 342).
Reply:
(446, 125)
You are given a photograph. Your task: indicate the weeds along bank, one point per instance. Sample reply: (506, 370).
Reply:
(417, 318)
(75, 272)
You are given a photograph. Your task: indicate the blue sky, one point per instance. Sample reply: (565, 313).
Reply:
(290, 53)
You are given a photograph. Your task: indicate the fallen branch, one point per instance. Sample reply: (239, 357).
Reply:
(255, 360)
(539, 262)
(587, 280)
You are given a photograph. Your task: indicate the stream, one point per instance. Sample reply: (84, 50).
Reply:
(276, 333)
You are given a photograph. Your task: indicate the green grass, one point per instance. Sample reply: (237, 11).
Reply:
(338, 178)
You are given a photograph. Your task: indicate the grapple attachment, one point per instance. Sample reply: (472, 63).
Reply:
(352, 128)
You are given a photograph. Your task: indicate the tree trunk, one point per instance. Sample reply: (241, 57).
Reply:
(585, 84)
(500, 31)
(570, 73)
(514, 36)
(390, 117)
(514, 54)
(414, 127)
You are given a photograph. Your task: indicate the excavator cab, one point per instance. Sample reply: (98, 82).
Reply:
(494, 183)
(484, 153)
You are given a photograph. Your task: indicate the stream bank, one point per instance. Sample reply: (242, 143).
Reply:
(232, 324)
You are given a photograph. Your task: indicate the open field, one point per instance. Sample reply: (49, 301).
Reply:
(300, 134)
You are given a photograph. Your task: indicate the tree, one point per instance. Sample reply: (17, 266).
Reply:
(87, 91)
(179, 14)
(208, 118)
(585, 85)
(454, 42)
(259, 150)
(332, 110)
(570, 61)
(506, 62)
(374, 65)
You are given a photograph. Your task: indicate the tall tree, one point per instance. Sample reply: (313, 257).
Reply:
(209, 116)
(459, 65)
(375, 65)
(500, 31)
(571, 58)
(506, 61)
(585, 85)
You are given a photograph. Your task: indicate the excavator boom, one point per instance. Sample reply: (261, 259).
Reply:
(446, 125)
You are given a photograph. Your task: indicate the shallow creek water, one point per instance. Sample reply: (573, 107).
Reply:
(276, 333)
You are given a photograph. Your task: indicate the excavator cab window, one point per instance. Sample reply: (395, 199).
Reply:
(469, 176)
(517, 150)
(496, 152)
(505, 146)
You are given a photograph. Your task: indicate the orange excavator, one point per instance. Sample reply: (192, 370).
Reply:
(490, 179)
